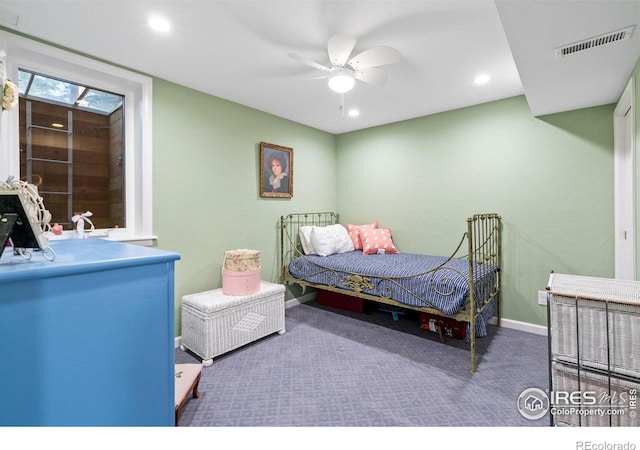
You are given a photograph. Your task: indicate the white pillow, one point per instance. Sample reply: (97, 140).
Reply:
(305, 240)
(331, 239)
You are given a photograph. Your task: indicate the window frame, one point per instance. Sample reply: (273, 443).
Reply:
(137, 89)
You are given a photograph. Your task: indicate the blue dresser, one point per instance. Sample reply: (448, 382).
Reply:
(87, 339)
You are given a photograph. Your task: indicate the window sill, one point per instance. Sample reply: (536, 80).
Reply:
(111, 235)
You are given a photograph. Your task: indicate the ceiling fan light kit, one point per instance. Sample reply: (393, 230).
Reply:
(364, 66)
(341, 80)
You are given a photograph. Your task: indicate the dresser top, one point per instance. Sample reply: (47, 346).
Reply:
(73, 256)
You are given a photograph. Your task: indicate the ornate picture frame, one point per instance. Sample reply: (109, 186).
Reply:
(276, 170)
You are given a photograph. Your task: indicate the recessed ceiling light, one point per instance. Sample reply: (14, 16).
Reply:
(482, 78)
(57, 125)
(354, 113)
(159, 24)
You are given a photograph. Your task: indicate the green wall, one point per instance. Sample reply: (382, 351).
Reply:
(550, 178)
(206, 178)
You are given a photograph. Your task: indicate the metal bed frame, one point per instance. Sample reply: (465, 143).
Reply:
(484, 248)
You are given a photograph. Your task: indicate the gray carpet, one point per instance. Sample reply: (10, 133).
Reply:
(334, 368)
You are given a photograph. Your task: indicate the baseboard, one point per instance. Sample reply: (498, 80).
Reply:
(506, 323)
(298, 300)
(521, 326)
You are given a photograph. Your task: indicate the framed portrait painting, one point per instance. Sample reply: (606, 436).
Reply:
(276, 170)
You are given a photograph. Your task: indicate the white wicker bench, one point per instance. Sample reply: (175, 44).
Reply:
(214, 323)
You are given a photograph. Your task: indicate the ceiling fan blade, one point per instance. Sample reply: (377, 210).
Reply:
(375, 57)
(308, 62)
(339, 48)
(372, 75)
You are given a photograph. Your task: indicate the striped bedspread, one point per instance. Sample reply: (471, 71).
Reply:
(411, 279)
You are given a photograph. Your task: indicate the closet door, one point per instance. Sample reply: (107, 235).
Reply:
(624, 172)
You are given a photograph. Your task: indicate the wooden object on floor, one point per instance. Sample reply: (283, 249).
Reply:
(187, 377)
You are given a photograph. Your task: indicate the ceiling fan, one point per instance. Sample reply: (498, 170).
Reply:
(345, 69)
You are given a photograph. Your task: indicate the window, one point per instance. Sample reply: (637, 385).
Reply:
(66, 93)
(71, 147)
(47, 74)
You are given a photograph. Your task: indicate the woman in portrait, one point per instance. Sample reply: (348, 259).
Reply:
(276, 174)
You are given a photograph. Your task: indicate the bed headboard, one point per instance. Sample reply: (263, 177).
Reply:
(290, 224)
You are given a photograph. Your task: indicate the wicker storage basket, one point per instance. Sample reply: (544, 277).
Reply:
(618, 390)
(596, 320)
(214, 323)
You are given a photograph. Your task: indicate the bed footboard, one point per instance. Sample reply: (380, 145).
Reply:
(484, 236)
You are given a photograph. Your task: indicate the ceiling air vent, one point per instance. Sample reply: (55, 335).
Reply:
(12, 19)
(597, 41)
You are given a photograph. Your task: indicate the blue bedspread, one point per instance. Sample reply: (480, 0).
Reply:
(411, 279)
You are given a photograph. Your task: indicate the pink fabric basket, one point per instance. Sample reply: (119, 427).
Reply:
(240, 282)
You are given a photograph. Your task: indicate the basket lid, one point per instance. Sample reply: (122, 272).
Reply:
(242, 253)
(242, 259)
(593, 288)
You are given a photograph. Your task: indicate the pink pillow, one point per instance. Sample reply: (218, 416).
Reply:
(377, 240)
(354, 233)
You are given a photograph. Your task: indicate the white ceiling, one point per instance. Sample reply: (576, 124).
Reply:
(238, 50)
